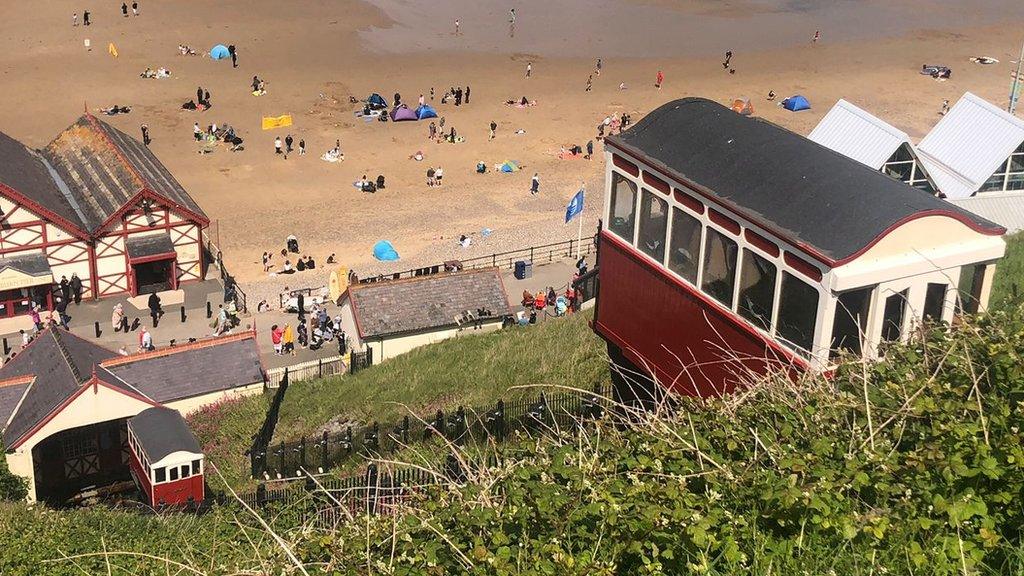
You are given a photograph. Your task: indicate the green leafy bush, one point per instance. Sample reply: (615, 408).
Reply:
(11, 487)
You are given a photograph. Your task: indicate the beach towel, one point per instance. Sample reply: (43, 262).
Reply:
(271, 122)
(112, 50)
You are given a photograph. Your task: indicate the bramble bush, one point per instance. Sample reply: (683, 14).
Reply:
(11, 487)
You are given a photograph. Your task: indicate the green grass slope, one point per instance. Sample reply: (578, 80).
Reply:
(1009, 272)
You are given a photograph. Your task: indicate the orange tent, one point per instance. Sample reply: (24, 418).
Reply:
(742, 106)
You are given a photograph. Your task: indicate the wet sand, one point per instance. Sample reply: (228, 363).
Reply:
(315, 54)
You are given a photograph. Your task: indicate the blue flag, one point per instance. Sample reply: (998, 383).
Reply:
(575, 206)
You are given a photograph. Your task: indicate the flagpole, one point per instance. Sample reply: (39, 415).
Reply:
(579, 231)
(1016, 82)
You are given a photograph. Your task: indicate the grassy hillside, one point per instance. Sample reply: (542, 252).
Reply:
(913, 466)
(1009, 272)
(473, 370)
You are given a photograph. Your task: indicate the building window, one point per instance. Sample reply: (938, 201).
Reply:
(719, 267)
(904, 166)
(757, 289)
(934, 299)
(623, 207)
(160, 474)
(196, 467)
(653, 224)
(892, 316)
(1009, 175)
(185, 471)
(849, 324)
(174, 474)
(685, 249)
(972, 279)
(78, 444)
(798, 312)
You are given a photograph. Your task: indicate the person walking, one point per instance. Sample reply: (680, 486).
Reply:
(124, 9)
(206, 98)
(277, 145)
(438, 174)
(535, 184)
(275, 337)
(288, 144)
(659, 79)
(590, 83)
(467, 93)
(597, 69)
(590, 149)
(432, 131)
(74, 19)
(511, 15)
(135, 8)
(458, 96)
(494, 127)
(817, 36)
(234, 55)
(155, 311)
(145, 134)
(422, 100)
(65, 288)
(199, 95)
(302, 147)
(76, 288)
(62, 312)
(457, 26)
(197, 132)
(85, 18)
(529, 69)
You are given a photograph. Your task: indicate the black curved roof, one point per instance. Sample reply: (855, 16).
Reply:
(162, 431)
(818, 199)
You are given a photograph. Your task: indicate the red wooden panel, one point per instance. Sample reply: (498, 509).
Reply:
(692, 344)
(625, 165)
(656, 183)
(724, 221)
(802, 266)
(761, 242)
(689, 201)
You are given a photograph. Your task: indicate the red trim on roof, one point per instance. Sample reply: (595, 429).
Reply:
(803, 246)
(69, 227)
(802, 266)
(656, 183)
(724, 221)
(626, 165)
(761, 242)
(688, 201)
(93, 382)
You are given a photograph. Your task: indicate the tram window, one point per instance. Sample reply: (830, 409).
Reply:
(623, 207)
(685, 249)
(185, 471)
(653, 224)
(892, 316)
(972, 278)
(798, 312)
(719, 267)
(161, 475)
(934, 299)
(757, 289)
(850, 321)
(196, 467)
(174, 474)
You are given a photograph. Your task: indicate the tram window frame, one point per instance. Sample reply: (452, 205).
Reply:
(754, 263)
(934, 303)
(685, 260)
(788, 298)
(627, 230)
(726, 253)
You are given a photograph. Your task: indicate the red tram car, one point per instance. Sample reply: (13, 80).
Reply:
(731, 246)
(166, 460)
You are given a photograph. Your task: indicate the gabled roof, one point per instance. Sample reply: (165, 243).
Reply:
(968, 144)
(147, 246)
(858, 134)
(34, 264)
(189, 370)
(830, 206)
(106, 171)
(162, 431)
(1006, 208)
(26, 174)
(60, 362)
(425, 302)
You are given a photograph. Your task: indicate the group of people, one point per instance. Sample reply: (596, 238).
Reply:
(455, 94)
(124, 8)
(320, 330)
(286, 148)
(435, 176)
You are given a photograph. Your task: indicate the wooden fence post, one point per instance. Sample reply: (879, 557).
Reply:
(302, 452)
(371, 488)
(280, 459)
(323, 452)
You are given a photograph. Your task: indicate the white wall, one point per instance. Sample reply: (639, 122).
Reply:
(395, 346)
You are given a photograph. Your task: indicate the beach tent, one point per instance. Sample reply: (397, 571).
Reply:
(742, 106)
(425, 111)
(377, 102)
(402, 113)
(219, 52)
(509, 166)
(384, 251)
(796, 103)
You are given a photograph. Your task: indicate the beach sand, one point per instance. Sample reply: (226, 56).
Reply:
(314, 55)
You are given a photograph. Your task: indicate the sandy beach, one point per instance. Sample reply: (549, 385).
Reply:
(315, 55)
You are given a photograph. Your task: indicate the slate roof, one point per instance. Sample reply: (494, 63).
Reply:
(968, 144)
(162, 431)
(827, 204)
(426, 302)
(104, 169)
(190, 370)
(34, 264)
(11, 392)
(60, 362)
(151, 245)
(26, 172)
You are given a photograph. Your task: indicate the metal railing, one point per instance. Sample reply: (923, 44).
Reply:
(310, 370)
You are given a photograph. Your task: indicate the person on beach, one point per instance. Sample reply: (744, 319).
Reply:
(432, 132)
(135, 8)
(659, 79)
(771, 95)
(277, 145)
(456, 26)
(511, 15)
(438, 174)
(728, 57)
(590, 149)
(494, 126)
(288, 144)
(124, 9)
(430, 177)
(234, 55)
(398, 98)
(817, 36)
(535, 184)
(266, 261)
(422, 100)
(458, 96)
(302, 147)
(590, 83)
(597, 69)
(85, 18)
(145, 134)
(431, 93)
(467, 93)
(74, 19)
(197, 132)
(529, 69)
(945, 108)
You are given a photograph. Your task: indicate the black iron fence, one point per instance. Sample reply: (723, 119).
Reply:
(360, 360)
(310, 370)
(318, 454)
(586, 287)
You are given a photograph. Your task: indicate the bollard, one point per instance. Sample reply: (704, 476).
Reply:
(135, 324)
(96, 326)
(209, 310)
(183, 314)
(7, 348)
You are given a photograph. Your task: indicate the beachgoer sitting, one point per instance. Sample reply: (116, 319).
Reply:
(310, 263)
(300, 265)
(524, 102)
(115, 109)
(380, 181)
(771, 95)
(190, 105)
(465, 241)
(287, 268)
(331, 259)
(527, 299)
(418, 156)
(148, 73)
(481, 168)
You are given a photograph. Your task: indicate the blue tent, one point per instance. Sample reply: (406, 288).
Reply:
(220, 52)
(384, 251)
(377, 102)
(796, 103)
(425, 111)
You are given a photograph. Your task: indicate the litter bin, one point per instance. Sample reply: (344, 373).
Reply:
(523, 269)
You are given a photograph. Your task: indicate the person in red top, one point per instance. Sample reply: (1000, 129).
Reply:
(276, 335)
(540, 301)
(570, 295)
(660, 79)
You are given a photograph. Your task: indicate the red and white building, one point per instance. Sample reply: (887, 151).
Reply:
(97, 203)
(731, 246)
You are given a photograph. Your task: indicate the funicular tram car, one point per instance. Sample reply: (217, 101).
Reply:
(166, 460)
(730, 246)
